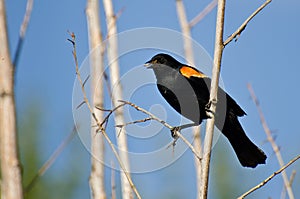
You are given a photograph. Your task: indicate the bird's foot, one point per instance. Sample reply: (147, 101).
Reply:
(209, 112)
(174, 131)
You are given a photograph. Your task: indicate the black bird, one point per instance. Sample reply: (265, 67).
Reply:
(187, 89)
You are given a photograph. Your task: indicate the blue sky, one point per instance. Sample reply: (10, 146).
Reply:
(266, 55)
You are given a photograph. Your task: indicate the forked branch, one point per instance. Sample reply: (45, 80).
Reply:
(272, 142)
(239, 31)
(175, 131)
(100, 127)
(269, 178)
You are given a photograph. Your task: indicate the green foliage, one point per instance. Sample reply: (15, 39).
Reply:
(225, 182)
(61, 184)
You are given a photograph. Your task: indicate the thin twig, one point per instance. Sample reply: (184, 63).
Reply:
(238, 32)
(291, 180)
(100, 128)
(115, 16)
(23, 30)
(270, 177)
(203, 13)
(105, 120)
(134, 122)
(174, 130)
(147, 113)
(86, 79)
(189, 145)
(102, 109)
(272, 141)
(79, 105)
(292, 177)
(50, 161)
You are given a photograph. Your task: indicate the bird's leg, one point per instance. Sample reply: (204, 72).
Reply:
(176, 129)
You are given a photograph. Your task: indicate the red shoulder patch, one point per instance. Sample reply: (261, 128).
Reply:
(191, 72)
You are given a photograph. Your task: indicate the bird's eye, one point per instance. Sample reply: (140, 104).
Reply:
(158, 60)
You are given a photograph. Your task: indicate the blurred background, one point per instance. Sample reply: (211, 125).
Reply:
(265, 55)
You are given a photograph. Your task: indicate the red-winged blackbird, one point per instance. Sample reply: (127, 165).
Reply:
(187, 89)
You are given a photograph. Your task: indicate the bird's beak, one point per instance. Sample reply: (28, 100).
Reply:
(148, 64)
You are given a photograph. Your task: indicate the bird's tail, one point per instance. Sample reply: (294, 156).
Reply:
(247, 152)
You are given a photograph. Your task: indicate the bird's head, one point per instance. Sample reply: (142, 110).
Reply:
(162, 59)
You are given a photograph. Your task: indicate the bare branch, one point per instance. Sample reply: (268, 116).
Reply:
(105, 120)
(113, 183)
(175, 130)
(213, 97)
(86, 79)
(189, 145)
(292, 177)
(102, 109)
(134, 122)
(11, 182)
(238, 32)
(50, 161)
(26, 18)
(198, 164)
(203, 13)
(100, 127)
(96, 47)
(188, 50)
(79, 105)
(23, 30)
(187, 41)
(272, 141)
(270, 177)
(112, 55)
(148, 113)
(291, 180)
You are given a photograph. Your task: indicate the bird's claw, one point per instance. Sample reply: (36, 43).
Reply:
(207, 109)
(174, 131)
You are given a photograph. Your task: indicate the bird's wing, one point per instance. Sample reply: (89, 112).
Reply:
(201, 84)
